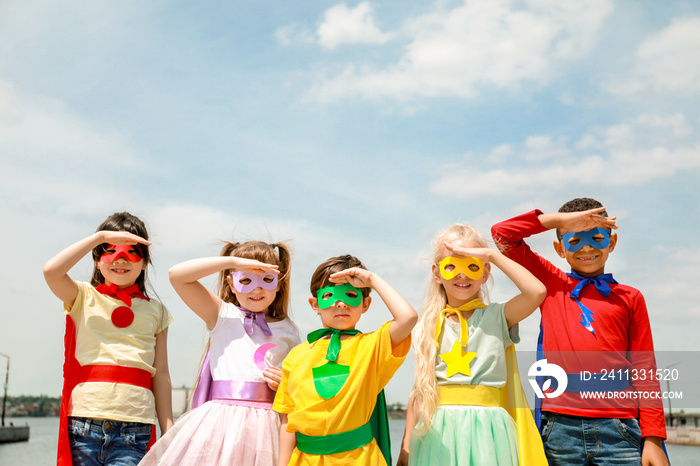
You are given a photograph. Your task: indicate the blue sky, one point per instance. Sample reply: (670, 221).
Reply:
(360, 127)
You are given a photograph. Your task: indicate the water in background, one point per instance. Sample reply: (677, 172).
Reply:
(41, 447)
(43, 434)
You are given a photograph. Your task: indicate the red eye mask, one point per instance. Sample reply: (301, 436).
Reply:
(123, 250)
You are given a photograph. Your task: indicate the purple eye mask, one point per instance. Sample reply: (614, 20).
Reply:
(586, 238)
(253, 280)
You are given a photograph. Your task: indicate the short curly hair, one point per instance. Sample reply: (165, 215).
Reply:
(582, 203)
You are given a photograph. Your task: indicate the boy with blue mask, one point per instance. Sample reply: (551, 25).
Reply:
(591, 325)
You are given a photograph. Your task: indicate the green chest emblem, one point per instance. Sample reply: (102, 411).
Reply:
(330, 378)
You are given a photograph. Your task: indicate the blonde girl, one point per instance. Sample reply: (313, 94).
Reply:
(455, 409)
(116, 374)
(231, 421)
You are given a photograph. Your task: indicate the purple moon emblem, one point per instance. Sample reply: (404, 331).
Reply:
(259, 356)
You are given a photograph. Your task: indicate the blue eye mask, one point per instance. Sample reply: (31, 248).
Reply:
(339, 293)
(585, 238)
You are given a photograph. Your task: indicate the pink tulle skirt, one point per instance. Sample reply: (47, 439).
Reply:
(219, 434)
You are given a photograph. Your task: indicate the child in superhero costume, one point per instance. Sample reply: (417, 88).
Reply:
(115, 373)
(331, 394)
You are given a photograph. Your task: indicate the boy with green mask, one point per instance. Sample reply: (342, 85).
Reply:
(332, 383)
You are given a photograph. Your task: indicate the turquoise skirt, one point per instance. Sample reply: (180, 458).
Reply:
(466, 435)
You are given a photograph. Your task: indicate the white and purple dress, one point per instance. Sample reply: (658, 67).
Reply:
(231, 421)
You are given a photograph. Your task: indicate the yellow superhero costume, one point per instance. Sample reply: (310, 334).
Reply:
(510, 397)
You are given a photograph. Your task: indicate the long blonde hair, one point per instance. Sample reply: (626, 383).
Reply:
(424, 395)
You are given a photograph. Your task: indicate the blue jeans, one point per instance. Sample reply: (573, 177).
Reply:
(107, 442)
(574, 440)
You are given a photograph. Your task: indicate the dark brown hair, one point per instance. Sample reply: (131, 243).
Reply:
(122, 221)
(320, 278)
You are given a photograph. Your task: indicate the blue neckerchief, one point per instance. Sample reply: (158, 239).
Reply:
(602, 284)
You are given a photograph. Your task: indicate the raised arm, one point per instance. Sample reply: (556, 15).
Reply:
(578, 221)
(186, 275)
(56, 269)
(405, 317)
(532, 291)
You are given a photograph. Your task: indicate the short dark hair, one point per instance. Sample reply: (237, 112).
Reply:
(321, 275)
(580, 204)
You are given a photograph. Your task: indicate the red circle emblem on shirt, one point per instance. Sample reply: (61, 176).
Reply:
(122, 317)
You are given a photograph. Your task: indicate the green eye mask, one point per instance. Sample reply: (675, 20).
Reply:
(339, 293)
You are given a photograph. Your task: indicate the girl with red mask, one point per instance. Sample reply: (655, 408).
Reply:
(116, 378)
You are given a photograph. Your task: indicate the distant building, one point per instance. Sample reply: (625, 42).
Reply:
(681, 419)
(683, 428)
(180, 400)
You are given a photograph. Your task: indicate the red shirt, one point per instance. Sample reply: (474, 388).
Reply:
(622, 332)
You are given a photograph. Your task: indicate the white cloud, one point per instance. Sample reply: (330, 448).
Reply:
(667, 61)
(676, 124)
(478, 44)
(542, 147)
(500, 154)
(633, 153)
(294, 34)
(39, 128)
(46, 148)
(343, 25)
(673, 305)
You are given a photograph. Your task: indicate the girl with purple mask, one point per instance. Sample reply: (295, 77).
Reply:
(230, 421)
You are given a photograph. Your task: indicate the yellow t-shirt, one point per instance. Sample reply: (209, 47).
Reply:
(99, 341)
(372, 362)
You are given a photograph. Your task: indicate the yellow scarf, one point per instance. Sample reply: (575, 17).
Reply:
(512, 396)
(463, 330)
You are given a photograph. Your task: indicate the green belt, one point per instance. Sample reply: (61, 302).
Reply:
(335, 443)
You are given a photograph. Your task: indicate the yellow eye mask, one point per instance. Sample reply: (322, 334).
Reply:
(472, 267)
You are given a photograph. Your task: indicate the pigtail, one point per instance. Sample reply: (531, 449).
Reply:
(280, 306)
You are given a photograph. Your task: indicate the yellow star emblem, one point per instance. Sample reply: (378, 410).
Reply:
(458, 360)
